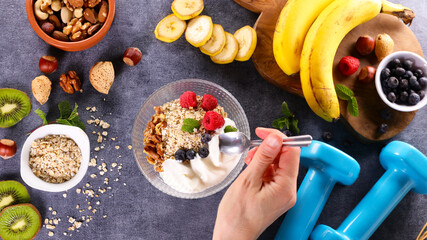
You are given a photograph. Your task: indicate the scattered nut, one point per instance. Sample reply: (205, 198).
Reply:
(365, 45)
(48, 28)
(367, 74)
(384, 46)
(66, 15)
(103, 12)
(48, 64)
(40, 15)
(132, 56)
(70, 82)
(7, 148)
(41, 87)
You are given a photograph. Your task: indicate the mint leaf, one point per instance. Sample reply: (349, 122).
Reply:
(293, 126)
(64, 109)
(64, 121)
(280, 123)
(76, 122)
(344, 92)
(42, 115)
(353, 107)
(74, 113)
(192, 122)
(229, 128)
(187, 128)
(285, 110)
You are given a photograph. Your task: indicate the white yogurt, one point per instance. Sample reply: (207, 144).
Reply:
(200, 173)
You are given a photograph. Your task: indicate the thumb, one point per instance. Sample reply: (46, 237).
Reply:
(265, 155)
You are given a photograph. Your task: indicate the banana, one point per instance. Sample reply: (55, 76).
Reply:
(292, 26)
(170, 28)
(247, 39)
(216, 43)
(199, 30)
(187, 9)
(229, 51)
(321, 44)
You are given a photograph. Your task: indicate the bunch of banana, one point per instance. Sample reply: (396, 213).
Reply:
(321, 42)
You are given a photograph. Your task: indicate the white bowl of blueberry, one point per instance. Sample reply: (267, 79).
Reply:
(401, 81)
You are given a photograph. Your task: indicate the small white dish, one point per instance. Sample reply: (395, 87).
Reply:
(419, 62)
(75, 133)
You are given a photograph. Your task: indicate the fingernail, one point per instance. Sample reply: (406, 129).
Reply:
(272, 142)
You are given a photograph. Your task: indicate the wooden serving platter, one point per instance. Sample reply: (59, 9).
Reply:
(370, 104)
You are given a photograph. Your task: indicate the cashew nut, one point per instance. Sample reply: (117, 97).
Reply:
(40, 15)
(56, 5)
(78, 12)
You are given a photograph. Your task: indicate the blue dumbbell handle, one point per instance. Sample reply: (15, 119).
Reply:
(376, 205)
(311, 198)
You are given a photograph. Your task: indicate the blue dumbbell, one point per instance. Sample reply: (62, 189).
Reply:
(327, 166)
(406, 170)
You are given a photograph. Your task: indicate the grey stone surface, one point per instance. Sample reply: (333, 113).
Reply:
(138, 210)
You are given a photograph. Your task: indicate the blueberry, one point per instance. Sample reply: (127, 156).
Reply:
(418, 73)
(414, 99)
(413, 81)
(414, 84)
(423, 81)
(404, 96)
(327, 136)
(385, 73)
(206, 137)
(287, 132)
(391, 96)
(422, 94)
(203, 152)
(404, 84)
(190, 154)
(408, 74)
(407, 64)
(383, 128)
(393, 72)
(392, 82)
(400, 72)
(386, 114)
(394, 63)
(180, 155)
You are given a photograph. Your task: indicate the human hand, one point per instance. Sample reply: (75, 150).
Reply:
(262, 192)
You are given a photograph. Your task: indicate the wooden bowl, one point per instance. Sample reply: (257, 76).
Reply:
(72, 46)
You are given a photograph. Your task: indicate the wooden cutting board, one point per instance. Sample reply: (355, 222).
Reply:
(370, 104)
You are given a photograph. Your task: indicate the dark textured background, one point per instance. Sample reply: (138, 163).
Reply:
(138, 210)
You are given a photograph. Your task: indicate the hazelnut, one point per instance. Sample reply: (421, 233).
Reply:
(48, 64)
(48, 28)
(365, 45)
(7, 148)
(132, 56)
(367, 74)
(384, 46)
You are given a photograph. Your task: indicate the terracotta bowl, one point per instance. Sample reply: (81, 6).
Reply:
(72, 46)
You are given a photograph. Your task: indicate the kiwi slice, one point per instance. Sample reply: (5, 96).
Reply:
(22, 221)
(11, 193)
(14, 106)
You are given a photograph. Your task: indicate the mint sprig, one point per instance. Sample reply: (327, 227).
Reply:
(288, 120)
(189, 125)
(66, 115)
(230, 128)
(347, 94)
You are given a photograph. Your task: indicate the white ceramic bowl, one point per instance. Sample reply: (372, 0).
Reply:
(419, 62)
(75, 133)
(171, 92)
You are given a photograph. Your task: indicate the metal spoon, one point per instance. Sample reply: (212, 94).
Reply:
(237, 142)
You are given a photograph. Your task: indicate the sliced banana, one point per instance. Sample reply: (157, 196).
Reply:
(170, 28)
(199, 30)
(247, 39)
(229, 51)
(187, 9)
(216, 43)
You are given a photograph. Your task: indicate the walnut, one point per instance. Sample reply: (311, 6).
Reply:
(70, 82)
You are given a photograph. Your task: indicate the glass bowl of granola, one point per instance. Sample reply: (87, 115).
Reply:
(175, 138)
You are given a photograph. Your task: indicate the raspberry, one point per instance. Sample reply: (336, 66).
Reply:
(212, 121)
(349, 65)
(188, 99)
(209, 102)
